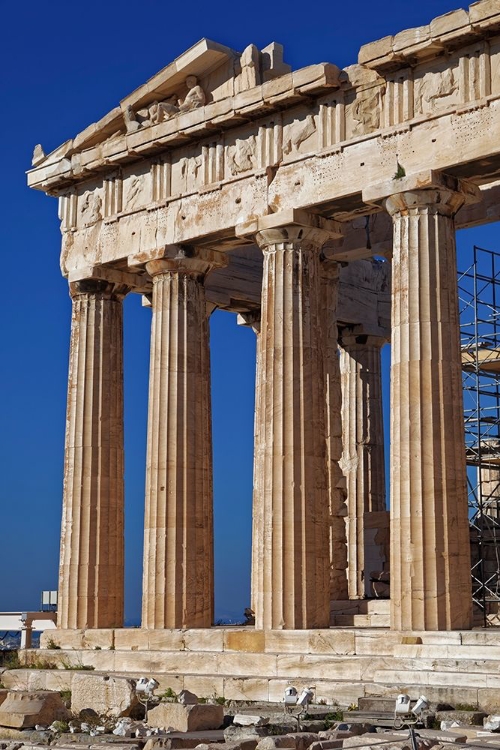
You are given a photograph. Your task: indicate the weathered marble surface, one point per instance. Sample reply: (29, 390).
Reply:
(232, 155)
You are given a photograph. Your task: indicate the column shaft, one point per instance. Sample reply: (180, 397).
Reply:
(336, 482)
(363, 446)
(91, 563)
(291, 514)
(430, 562)
(178, 540)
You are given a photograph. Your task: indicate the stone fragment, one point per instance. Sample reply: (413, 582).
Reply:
(190, 718)
(303, 740)
(185, 741)
(23, 709)
(492, 723)
(463, 718)
(187, 698)
(312, 725)
(279, 741)
(326, 744)
(343, 727)
(390, 742)
(248, 720)
(237, 734)
(110, 696)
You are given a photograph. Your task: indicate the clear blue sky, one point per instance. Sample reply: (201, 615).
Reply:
(65, 65)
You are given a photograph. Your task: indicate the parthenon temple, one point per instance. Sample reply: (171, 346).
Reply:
(320, 205)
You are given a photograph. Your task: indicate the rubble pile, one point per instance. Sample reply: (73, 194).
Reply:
(110, 714)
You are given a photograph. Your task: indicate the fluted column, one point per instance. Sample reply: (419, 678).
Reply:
(178, 535)
(363, 445)
(291, 543)
(91, 562)
(430, 550)
(335, 479)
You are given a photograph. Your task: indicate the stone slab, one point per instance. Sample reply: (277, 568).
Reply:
(186, 718)
(104, 694)
(23, 709)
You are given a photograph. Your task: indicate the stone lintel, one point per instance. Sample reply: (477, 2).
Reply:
(115, 276)
(374, 335)
(179, 257)
(291, 217)
(428, 179)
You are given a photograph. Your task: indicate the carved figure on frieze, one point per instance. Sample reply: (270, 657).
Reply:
(299, 132)
(160, 111)
(190, 169)
(241, 156)
(366, 111)
(133, 193)
(195, 97)
(432, 90)
(91, 208)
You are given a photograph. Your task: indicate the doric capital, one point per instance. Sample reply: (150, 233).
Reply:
(296, 227)
(430, 189)
(99, 288)
(184, 259)
(250, 319)
(350, 339)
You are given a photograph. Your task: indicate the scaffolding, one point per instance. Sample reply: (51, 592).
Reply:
(479, 294)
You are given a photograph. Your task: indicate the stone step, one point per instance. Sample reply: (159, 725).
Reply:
(376, 705)
(463, 687)
(360, 607)
(361, 621)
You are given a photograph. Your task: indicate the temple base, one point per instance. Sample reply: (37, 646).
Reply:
(246, 664)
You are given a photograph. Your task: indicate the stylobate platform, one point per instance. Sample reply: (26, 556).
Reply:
(241, 663)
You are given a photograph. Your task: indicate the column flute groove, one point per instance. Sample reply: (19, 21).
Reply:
(291, 561)
(178, 537)
(363, 450)
(430, 555)
(336, 483)
(92, 554)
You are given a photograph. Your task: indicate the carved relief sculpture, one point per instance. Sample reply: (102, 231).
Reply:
(241, 156)
(299, 132)
(161, 111)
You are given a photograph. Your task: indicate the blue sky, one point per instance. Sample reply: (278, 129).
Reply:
(64, 66)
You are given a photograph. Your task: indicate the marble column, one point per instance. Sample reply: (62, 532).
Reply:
(430, 549)
(363, 460)
(336, 482)
(91, 563)
(178, 535)
(291, 524)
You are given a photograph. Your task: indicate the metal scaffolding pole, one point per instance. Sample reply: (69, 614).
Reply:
(479, 292)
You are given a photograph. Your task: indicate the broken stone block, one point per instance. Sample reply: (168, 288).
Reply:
(23, 710)
(248, 720)
(109, 696)
(189, 740)
(326, 744)
(235, 733)
(279, 741)
(492, 723)
(303, 740)
(186, 698)
(242, 745)
(190, 718)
